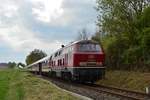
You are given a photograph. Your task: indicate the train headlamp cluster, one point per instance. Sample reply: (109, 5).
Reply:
(83, 64)
(90, 63)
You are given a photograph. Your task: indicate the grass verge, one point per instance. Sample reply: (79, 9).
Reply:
(19, 85)
(136, 81)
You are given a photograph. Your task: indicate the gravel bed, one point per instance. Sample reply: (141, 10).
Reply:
(82, 91)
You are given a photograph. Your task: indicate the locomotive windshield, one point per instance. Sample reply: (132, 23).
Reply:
(89, 47)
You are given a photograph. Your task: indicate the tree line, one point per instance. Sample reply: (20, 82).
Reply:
(124, 32)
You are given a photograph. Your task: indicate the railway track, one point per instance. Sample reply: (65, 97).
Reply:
(121, 93)
(99, 92)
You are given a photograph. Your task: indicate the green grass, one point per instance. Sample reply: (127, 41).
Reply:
(136, 81)
(19, 85)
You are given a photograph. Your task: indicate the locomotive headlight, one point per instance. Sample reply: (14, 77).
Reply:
(82, 63)
(99, 63)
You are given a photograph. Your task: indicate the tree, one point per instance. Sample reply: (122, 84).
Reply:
(34, 56)
(97, 37)
(126, 26)
(12, 64)
(83, 35)
(144, 25)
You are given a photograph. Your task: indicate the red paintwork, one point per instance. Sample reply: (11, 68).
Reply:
(86, 58)
(76, 57)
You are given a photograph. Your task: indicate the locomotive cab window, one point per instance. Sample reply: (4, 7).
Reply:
(89, 47)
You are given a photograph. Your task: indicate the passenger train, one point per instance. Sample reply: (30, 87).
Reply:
(79, 61)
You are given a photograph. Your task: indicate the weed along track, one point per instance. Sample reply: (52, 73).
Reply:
(98, 92)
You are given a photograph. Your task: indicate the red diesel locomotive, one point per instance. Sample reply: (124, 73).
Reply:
(79, 61)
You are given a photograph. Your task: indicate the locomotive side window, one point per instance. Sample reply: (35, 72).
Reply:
(89, 47)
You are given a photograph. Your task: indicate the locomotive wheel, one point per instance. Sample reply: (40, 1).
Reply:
(66, 76)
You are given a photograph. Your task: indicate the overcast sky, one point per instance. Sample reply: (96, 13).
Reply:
(42, 24)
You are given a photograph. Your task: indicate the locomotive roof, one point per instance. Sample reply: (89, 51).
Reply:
(76, 42)
(86, 41)
(81, 41)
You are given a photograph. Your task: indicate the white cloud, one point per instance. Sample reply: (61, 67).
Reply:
(29, 24)
(8, 8)
(15, 34)
(46, 10)
(53, 12)
(20, 39)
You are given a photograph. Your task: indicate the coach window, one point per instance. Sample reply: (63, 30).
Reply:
(49, 63)
(63, 62)
(56, 54)
(50, 58)
(60, 62)
(43, 63)
(46, 62)
(60, 52)
(54, 63)
(66, 60)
